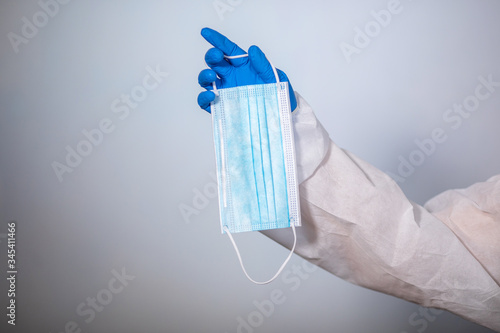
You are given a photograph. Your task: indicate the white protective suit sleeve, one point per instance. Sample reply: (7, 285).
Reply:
(359, 225)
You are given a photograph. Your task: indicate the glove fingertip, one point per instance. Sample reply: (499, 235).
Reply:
(206, 77)
(209, 34)
(213, 56)
(260, 63)
(205, 98)
(205, 31)
(256, 54)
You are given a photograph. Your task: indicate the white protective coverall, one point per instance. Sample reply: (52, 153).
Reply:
(359, 225)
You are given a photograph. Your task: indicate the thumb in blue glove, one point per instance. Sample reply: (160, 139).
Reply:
(227, 73)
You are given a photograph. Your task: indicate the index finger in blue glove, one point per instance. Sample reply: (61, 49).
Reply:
(224, 44)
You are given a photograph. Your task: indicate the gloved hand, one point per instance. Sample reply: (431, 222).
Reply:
(227, 73)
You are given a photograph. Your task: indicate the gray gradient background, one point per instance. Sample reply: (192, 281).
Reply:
(120, 206)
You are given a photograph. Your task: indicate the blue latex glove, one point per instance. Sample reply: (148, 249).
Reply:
(227, 73)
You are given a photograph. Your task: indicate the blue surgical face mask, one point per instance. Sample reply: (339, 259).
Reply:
(255, 156)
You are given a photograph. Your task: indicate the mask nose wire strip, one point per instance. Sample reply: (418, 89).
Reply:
(216, 92)
(280, 269)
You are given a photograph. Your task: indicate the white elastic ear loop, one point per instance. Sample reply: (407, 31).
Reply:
(282, 266)
(242, 56)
